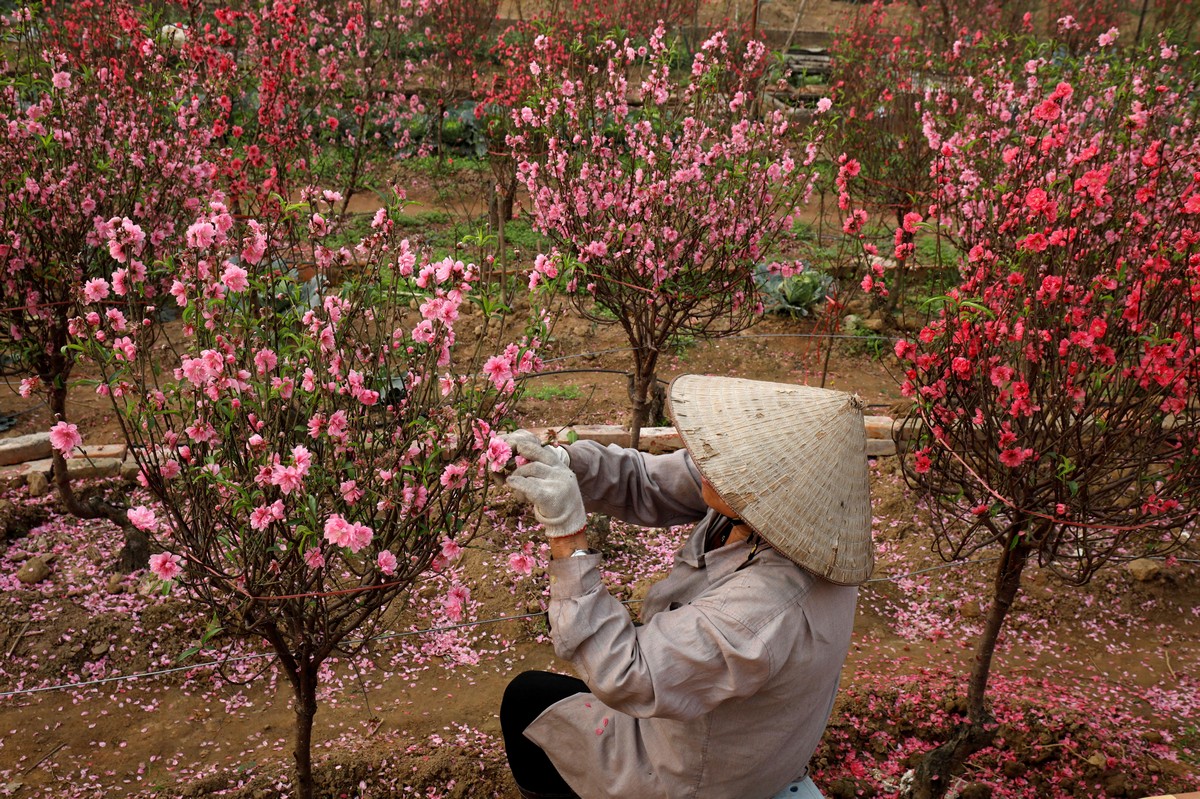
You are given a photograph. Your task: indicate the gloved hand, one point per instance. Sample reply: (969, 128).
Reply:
(523, 442)
(548, 483)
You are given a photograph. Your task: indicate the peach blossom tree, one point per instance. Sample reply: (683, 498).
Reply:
(1056, 391)
(103, 151)
(310, 448)
(661, 208)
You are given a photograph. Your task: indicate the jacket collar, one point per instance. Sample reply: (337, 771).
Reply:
(718, 563)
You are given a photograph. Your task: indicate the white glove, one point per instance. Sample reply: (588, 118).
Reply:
(523, 442)
(548, 483)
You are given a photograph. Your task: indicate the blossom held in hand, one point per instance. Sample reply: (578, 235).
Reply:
(498, 454)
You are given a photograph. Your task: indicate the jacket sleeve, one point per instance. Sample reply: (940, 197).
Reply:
(680, 665)
(649, 490)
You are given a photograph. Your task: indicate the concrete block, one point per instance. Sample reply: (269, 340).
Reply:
(601, 433)
(546, 434)
(130, 468)
(85, 468)
(654, 439)
(666, 439)
(43, 466)
(658, 440)
(879, 426)
(117, 451)
(908, 429)
(20, 449)
(880, 447)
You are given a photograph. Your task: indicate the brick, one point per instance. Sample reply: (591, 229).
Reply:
(20, 449)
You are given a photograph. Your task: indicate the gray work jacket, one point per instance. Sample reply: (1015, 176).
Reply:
(725, 690)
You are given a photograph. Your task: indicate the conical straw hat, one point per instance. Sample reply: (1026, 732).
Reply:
(790, 460)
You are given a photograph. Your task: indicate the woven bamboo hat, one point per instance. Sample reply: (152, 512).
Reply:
(790, 460)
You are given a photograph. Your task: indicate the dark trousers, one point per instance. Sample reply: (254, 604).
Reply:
(530, 693)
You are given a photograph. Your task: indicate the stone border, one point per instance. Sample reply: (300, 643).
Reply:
(25, 460)
(882, 434)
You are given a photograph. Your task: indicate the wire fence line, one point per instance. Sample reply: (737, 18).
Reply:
(143, 675)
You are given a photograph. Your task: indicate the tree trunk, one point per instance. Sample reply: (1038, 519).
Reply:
(932, 776)
(504, 189)
(305, 697)
(641, 393)
(136, 552)
(437, 130)
(508, 199)
(493, 208)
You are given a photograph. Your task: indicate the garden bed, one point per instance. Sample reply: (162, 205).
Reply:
(1094, 686)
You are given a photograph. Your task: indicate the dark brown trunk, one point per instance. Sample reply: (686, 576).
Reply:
(503, 250)
(932, 776)
(306, 710)
(642, 394)
(641, 409)
(494, 208)
(508, 200)
(437, 138)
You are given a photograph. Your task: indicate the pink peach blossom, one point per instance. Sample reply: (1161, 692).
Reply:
(65, 437)
(142, 518)
(166, 566)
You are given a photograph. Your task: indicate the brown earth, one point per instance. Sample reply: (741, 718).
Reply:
(204, 737)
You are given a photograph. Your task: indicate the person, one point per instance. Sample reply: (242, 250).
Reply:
(725, 687)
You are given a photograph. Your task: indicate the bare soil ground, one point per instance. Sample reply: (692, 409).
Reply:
(416, 715)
